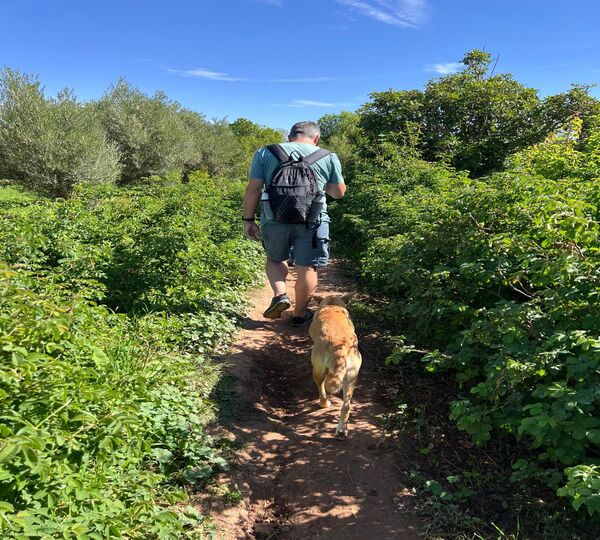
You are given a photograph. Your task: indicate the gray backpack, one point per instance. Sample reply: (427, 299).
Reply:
(294, 187)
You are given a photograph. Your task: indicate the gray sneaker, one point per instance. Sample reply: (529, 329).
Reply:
(278, 305)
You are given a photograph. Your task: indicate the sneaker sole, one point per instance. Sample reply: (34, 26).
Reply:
(274, 312)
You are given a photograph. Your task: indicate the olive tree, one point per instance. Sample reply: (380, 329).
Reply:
(149, 131)
(50, 144)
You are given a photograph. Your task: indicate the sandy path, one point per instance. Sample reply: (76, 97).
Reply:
(297, 480)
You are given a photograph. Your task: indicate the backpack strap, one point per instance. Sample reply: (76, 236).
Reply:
(316, 156)
(278, 152)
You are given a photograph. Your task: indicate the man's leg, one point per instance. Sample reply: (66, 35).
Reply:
(277, 274)
(306, 285)
(311, 250)
(276, 240)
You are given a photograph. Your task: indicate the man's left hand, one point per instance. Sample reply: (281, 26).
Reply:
(251, 230)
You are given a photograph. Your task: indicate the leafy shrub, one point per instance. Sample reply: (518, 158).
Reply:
(156, 136)
(250, 137)
(563, 154)
(104, 412)
(142, 249)
(583, 487)
(471, 120)
(499, 280)
(87, 409)
(50, 145)
(148, 131)
(369, 209)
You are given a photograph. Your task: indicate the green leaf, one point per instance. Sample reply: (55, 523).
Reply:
(99, 357)
(162, 455)
(6, 507)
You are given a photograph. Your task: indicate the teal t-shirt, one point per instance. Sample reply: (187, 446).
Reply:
(328, 170)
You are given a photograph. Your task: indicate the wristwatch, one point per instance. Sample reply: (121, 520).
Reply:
(248, 219)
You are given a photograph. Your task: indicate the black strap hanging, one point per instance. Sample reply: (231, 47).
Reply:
(278, 152)
(316, 156)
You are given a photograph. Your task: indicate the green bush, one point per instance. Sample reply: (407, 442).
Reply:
(471, 120)
(139, 249)
(250, 137)
(499, 279)
(566, 153)
(109, 307)
(91, 416)
(156, 136)
(49, 145)
(148, 131)
(216, 149)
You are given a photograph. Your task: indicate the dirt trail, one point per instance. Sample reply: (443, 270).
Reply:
(297, 480)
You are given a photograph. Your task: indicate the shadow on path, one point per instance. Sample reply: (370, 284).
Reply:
(297, 480)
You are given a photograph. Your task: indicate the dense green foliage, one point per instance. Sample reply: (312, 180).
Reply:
(110, 303)
(149, 132)
(499, 279)
(495, 280)
(250, 137)
(469, 120)
(51, 144)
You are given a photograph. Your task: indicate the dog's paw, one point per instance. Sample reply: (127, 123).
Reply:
(341, 433)
(325, 404)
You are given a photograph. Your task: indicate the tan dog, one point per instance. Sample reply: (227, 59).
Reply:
(335, 357)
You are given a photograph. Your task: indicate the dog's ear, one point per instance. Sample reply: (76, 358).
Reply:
(347, 298)
(317, 299)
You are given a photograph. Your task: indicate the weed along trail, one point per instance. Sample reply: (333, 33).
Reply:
(297, 481)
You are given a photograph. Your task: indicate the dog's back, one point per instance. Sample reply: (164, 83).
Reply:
(335, 356)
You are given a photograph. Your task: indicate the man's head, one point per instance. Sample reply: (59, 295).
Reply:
(305, 132)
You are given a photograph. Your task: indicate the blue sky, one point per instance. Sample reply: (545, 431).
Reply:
(278, 61)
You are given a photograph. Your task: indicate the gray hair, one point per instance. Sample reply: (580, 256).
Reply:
(304, 129)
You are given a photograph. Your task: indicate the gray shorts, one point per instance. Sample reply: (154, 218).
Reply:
(311, 244)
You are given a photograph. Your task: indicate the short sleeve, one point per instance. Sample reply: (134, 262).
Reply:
(335, 176)
(257, 169)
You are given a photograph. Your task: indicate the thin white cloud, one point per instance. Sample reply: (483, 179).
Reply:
(303, 80)
(402, 13)
(445, 68)
(304, 103)
(270, 2)
(311, 103)
(202, 73)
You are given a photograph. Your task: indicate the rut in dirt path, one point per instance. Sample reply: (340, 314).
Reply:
(297, 480)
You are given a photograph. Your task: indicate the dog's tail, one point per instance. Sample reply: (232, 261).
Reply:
(336, 371)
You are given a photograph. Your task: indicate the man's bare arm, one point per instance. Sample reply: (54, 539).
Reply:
(251, 198)
(335, 190)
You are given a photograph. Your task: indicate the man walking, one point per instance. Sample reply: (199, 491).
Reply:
(284, 223)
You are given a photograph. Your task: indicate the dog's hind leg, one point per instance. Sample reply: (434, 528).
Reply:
(341, 430)
(353, 364)
(319, 376)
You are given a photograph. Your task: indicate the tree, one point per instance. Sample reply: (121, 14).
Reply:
(216, 151)
(251, 136)
(471, 120)
(341, 134)
(50, 144)
(149, 132)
